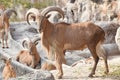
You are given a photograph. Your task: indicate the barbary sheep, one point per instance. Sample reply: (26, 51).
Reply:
(59, 37)
(2, 7)
(29, 56)
(4, 25)
(8, 71)
(117, 38)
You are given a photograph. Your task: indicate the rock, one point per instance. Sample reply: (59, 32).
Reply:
(110, 29)
(37, 75)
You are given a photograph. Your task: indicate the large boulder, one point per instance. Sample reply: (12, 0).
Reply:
(37, 75)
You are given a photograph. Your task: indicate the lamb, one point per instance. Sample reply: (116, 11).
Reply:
(59, 37)
(4, 25)
(8, 71)
(29, 56)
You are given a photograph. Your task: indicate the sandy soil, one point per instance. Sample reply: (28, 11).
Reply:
(81, 71)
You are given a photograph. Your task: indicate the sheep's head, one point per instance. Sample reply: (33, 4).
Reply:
(8, 70)
(39, 17)
(2, 7)
(7, 61)
(30, 45)
(9, 12)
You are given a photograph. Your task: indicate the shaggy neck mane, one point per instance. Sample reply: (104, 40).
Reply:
(34, 50)
(48, 26)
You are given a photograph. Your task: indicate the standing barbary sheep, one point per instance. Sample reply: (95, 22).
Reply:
(30, 56)
(4, 25)
(8, 71)
(59, 37)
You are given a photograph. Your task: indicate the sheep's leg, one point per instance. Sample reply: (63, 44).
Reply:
(33, 62)
(59, 68)
(106, 66)
(63, 58)
(106, 63)
(96, 59)
(32, 65)
(101, 52)
(44, 66)
(104, 56)
(6, 44)
(6, 39)
(3, 41)
(3, 44)
(58, 59)
(6, 33)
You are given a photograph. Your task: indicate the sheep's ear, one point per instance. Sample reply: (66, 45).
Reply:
(10, 59)
(48, 16)
(34, 18)
(36, 42)
(4, 60)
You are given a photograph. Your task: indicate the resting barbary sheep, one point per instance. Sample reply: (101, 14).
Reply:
(29, 56)
(59, 37)
(8, 71)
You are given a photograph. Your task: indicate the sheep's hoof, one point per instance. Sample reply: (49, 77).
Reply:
(106, 72)
(91, 75)
(59, 76)
(3, 47)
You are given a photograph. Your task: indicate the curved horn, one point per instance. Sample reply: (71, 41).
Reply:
(52, 8)
(24, 43)
(9, 12)
(34, 12)
(36, 40)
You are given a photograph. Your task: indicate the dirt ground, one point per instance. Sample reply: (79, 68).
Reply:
(81, 71)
